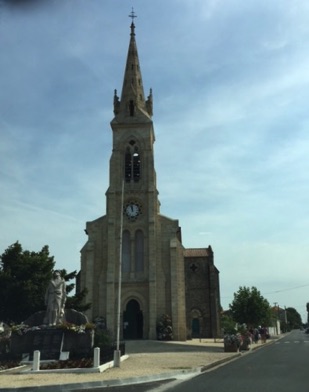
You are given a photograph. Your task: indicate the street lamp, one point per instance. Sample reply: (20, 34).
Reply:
(117, 353)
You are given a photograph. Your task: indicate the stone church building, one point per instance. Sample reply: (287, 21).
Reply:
(159, 276)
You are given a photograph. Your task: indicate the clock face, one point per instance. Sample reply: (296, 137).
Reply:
(132, 210)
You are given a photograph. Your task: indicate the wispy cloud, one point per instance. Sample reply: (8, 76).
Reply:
(230, 83)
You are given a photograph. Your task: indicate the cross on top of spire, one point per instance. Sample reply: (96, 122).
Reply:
(132, 15)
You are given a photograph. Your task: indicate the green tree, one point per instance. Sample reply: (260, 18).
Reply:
(76, 301)
(228, 325)
(24, 277)
(249, 307)
(293, 318)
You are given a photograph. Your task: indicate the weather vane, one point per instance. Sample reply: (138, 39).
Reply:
(132, 15)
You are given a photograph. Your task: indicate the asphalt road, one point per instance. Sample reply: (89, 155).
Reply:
(282, 366)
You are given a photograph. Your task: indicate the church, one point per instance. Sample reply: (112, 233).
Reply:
(159, 276)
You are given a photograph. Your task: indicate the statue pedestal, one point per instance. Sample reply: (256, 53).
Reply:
(78, 344)
(51, 342)
(48, 341)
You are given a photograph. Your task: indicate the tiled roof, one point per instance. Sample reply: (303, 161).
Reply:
(196, 252)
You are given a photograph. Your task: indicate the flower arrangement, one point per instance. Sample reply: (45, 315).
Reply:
(247, 337)
(21, 329)
(164, 328)
(233, 339)
(5, 335)
(76, 328)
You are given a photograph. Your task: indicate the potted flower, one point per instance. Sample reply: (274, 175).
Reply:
(246, 340)
(232, 342)
(232, 339)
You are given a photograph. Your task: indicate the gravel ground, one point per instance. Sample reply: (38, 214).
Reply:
(146, 358)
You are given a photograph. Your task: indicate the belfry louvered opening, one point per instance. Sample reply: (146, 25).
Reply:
(132, 170)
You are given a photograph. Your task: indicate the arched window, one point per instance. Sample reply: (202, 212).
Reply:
(139, 251)
(126, 252)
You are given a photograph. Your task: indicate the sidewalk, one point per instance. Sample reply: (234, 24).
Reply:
(148, 360)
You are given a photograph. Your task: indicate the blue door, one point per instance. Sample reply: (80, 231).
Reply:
(195, 328)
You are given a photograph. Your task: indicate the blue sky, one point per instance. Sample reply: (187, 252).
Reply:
(230, 83)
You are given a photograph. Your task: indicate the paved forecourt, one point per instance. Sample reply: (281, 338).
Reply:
(148, 360)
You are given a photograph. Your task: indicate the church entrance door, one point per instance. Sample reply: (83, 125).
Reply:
(195, 328)
(133, 321)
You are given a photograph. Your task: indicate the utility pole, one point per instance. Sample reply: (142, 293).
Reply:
(277, 318)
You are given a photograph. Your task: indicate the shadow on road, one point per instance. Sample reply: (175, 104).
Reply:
(154, 346)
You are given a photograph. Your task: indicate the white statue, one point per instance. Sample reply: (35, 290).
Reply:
(55, 299)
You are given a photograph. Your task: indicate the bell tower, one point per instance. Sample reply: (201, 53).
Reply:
(132, 159)
(148, 243)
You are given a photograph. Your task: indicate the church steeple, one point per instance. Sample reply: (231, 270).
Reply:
(132, 97)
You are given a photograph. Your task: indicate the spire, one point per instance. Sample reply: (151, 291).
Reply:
(132, 95)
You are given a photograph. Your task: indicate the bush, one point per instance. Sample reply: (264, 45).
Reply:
(102, 338)
(164, 328)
